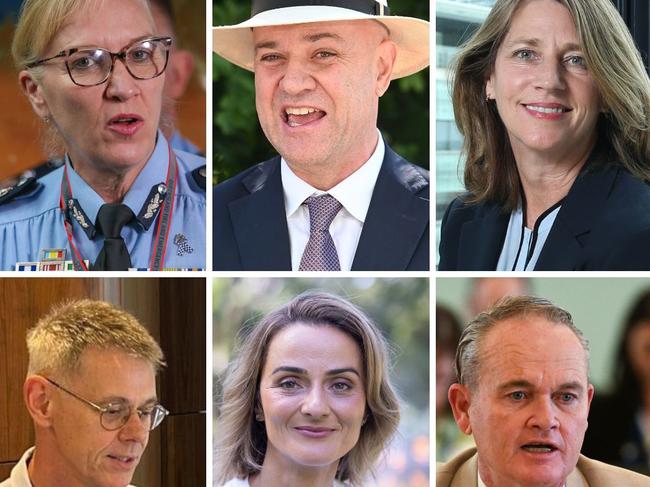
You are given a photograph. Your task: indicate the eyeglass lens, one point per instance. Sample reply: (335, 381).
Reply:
(118, 415)
(144, 60)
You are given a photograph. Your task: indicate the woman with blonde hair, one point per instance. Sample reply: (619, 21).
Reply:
(553, 101)
(123, 198)
(307, 400)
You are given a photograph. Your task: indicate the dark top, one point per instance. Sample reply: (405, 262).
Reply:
(604, 224)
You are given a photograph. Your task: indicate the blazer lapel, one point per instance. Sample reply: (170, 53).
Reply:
(260, 222)
(467, 475)
(585, 202)
(482, 238)
(397, 219)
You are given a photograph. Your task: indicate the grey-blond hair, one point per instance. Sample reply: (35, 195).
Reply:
(241, 440)
(58, 340)
(468, 353)
(490, 168)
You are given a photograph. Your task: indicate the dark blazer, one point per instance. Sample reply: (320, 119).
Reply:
(250, 230)
(604, 224)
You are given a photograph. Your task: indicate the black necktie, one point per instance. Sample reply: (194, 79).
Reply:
(114, 255)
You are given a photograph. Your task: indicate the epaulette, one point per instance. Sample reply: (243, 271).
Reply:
(23, 187)
(199, 176)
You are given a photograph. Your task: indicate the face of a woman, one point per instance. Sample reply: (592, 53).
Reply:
(543, 90)
(113, 125)
(312, 393)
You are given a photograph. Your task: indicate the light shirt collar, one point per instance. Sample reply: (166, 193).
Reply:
(354, 192)
(137, 194)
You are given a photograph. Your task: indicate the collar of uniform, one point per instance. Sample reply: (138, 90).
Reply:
(153, 173)
(354, 192)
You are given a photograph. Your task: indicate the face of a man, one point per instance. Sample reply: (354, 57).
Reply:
(528, 413)
(317, 88)
(87, 454)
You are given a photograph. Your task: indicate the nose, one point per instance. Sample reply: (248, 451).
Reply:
(135, 429)
(550, 75)
(120, 84)
(296, 78)
(543, 415)
(315, 403)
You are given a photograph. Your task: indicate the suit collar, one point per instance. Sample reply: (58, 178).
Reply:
(259, 219)
(397, 219)
(585, 203)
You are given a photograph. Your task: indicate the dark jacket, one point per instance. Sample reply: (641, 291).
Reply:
(250, 230)
(604, 224)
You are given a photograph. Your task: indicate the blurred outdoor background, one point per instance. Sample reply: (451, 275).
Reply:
(399, 307)
(238, 140)
(20, 148)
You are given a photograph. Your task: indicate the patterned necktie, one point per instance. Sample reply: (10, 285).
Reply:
(320, 252)
(114, 255)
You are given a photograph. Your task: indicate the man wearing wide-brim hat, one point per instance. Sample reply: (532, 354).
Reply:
(337, 197)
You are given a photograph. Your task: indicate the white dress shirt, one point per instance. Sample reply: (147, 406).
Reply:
(481, 484)
(354, 194)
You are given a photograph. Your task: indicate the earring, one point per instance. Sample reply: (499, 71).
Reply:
(46, 119)
(487, 98)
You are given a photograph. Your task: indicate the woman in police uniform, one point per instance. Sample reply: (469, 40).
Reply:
(93, 72)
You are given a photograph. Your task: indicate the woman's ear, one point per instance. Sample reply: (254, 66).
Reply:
(33, 90)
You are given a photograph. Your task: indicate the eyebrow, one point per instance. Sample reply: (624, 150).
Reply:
(524, 384)
(299, 371)
(116, 399)
(309, 38)
(534, 41)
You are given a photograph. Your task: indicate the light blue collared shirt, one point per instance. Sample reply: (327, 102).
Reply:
(33, 221)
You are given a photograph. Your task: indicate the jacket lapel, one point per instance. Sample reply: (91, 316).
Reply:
(260, 223)
(481, 239)
(397, 219)
(585, 202)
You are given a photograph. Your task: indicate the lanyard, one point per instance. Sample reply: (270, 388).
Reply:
(67, 206)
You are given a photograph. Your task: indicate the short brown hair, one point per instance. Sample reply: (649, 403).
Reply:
(58, 340)
(468, 353)
(490, 168)
(241, 440)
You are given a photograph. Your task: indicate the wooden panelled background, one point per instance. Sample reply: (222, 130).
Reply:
(173, 309)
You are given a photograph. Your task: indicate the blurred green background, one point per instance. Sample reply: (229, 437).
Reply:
(399, 307)
(238, 140)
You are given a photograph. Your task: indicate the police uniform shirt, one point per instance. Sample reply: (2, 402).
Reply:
(33, 221)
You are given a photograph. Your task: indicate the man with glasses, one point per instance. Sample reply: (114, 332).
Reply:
(91, 393)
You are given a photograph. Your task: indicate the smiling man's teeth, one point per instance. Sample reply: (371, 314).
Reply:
(545, 109)
(300, 111)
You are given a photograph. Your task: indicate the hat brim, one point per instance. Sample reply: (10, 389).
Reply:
(411, 36)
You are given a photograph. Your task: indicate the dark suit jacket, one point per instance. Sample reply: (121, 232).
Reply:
(250, 230)
(604, 224)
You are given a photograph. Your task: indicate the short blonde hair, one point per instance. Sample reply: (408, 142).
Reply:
(241, 440)
(40, 20)
(58, 340)
(615, 66)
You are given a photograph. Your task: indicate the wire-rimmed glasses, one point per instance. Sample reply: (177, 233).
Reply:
(113, 416)
(91, 66)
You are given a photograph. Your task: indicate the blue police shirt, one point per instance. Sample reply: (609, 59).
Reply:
(33, 221)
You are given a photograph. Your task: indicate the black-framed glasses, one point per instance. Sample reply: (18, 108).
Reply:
(113, 416)
(91, 66)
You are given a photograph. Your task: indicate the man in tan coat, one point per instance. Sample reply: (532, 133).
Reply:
(523, 392)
